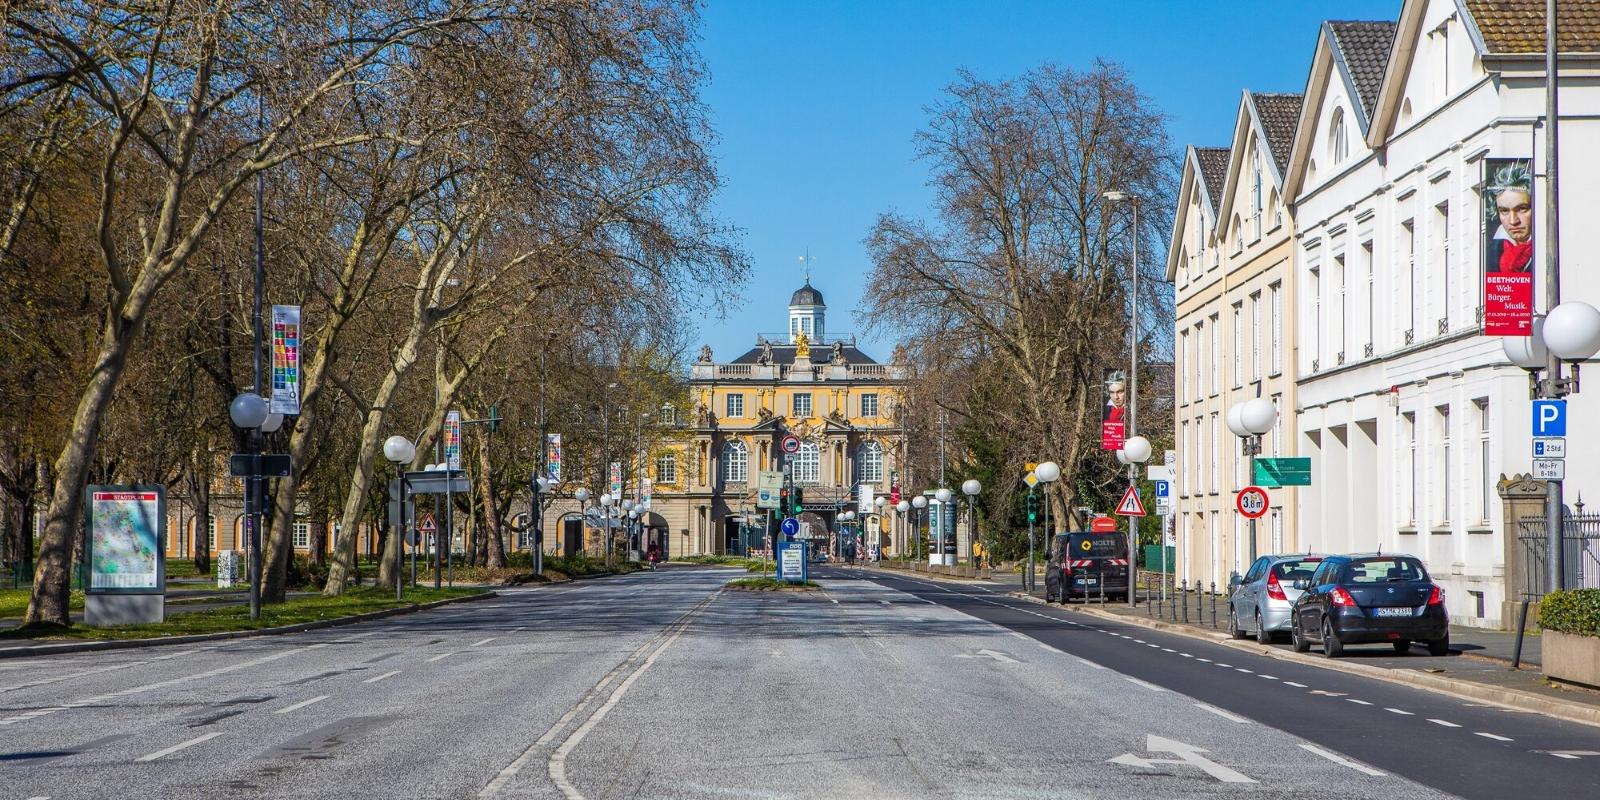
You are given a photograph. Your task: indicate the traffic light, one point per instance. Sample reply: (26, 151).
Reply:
(798, 501)
(1033, 508)
(783, 501)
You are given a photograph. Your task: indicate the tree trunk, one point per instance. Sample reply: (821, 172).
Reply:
(318, 555)
(200, 495)
(494, 534)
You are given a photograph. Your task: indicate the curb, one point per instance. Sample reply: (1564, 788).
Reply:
(125, 644)
(1466, 690)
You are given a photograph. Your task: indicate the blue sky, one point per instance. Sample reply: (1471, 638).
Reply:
(815, 104)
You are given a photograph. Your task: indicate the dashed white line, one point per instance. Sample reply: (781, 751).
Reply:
(1341, 760)
(1224, 666)
(440, 656)
(483, 641)
(1399, 711)
(1564, 755)
(1140, 641)
(1228, 715)
(175, 748)
(1268, 677)
(302, 704)
(1246, 671)
(377, 678)
(1186, 655)
(1156, 646)
(1295, 685)
(1494, 736)
(1207, 660)
(1445, 723)
(1357, 702)
(1168, 650)
(1146, 684)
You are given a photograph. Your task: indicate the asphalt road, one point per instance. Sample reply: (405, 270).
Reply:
(664, 685)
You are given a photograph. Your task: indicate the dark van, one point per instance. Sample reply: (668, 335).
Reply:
(1086, 564)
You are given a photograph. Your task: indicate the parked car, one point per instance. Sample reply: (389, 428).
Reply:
(1086, 564)
(1263, 598)
(1376, 597)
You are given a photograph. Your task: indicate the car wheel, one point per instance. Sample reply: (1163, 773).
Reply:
(1298, 639)
(1263, 635)
(1233, 624)
(1439, 647)
(1331, 646)
(1402, 647)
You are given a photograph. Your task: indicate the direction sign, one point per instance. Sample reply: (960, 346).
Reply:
(1130, 505)
(267, 465)
(1550, 469)
(1162, 473)
(1275, 472)
(1550, 448)
(1549, 418)
(1252, 502)
(791, 526)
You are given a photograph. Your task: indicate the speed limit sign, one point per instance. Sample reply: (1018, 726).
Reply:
(1251, 502)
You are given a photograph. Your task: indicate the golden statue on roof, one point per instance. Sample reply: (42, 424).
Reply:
(802, 346)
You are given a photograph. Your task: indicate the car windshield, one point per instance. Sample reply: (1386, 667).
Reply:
(1384, 570)
(1298, 569)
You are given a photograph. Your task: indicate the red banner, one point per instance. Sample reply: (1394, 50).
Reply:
(1508, 304)
(1112, 435)
(1508, 262)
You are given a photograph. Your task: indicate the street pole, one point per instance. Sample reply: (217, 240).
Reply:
(401, 533)
(255, 483)
(1133, 412)
(1027, 578)
(1553, 386)
(1253, 447)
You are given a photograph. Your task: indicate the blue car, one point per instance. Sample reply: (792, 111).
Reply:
(1370, 598)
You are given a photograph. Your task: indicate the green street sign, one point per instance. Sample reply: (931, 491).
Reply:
(1277, 472)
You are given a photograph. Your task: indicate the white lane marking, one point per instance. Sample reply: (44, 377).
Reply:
(1146, 684)
(1295, 685)
(1357, 702)
(1224, 666)
(96, 671)
(1443, 722)
(1242, 669)
(377, 678)
(1156, 646)
(441, 656)
(1399, 711)
(1086, 662)
(1228, 715)
(302, 704)
(1186, 655)
(1170, 650)
(1341, 760)
(483, 641)
(1493, 736)
(1268, 677)
(175, 748)
(1557, 755)
(1207, 660)
(1140, 641)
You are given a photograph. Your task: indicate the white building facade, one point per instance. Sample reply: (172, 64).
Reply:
(1409, 413)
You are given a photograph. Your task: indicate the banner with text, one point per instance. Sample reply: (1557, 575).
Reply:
(1508, 263)
(552, 456)
(1113, 425)
(285, 360)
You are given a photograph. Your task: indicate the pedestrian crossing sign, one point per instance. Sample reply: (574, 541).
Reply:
(1130, 505)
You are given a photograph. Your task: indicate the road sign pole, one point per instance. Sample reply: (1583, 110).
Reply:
(1255, 448)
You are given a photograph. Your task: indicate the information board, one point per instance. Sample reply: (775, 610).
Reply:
(127, 525)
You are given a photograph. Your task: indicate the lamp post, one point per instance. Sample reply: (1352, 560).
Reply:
(946, 544)
(905, 541)
(879, 503)
(1249, 421)
(1049, 472)
(400, 451)
(582, 496)
(1132, 429)
(248, 411)
(918, 517)
(971, 487)
(1135, 451)
(541, 486)
(606, 500)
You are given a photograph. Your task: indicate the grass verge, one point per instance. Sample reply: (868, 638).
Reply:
(14, 602)
(237, 618)
(770, 585)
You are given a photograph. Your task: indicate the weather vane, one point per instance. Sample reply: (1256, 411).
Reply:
(805, 263)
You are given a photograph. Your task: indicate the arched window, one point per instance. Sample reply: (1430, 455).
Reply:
(1274, 211)
(735, 463)
(869, 463)
(808, 463)
(1338, 142)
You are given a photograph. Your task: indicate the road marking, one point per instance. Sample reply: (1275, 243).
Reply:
(1086, 662)
(175, 748)
(1268, 677)
(86, 673)
(1242, 669)
(1186, 655)
(441, 656)
(377, 678)
(1557, 755)
(1493, 736)
(1295, 685)
(1186, 754)
(1168, 650)
(1341, 760)
(1156, 646)
(483, 641)
(1444, 723)
(1228, 715)
(1146, 684)
(302, 704)
(1326, 693)
(1207, 660)
(1140, 641)
(1399, 711)
(1357, 702)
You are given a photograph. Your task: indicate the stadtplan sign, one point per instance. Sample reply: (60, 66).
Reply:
(285, 360)
(127, 525)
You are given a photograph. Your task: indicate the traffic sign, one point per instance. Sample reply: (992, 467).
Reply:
(1252, 502)
(1550, 469)
(1163, 497)
(427, 525)
(791, 526)
(1162, 473)
(791, 444)
(1031, 479)
(1549, 418)
(1130, 505)
(1275, 472)
(1102, 525)
(1550, 448)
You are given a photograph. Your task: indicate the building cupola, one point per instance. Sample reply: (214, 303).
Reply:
(807, 314)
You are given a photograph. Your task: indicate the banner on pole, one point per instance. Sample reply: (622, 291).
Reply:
(616, 480)
(552, 456)
(285, 360)
(452, 440)
(1508, 264)
(1113, 425)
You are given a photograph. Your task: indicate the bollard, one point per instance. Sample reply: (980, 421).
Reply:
(1213, 604)
(1102, 582)
(1184, 592)
(1150, 605)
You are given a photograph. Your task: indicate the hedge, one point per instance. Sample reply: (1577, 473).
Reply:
(1575, 611)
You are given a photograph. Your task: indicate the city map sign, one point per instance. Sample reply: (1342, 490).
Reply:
(127, 526)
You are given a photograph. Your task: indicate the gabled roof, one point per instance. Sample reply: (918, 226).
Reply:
(1517, 26)
(1254, 110)
(1362, 47)
(1203, 171)
(1354, 53)
(1279, 113)
(1213, 163)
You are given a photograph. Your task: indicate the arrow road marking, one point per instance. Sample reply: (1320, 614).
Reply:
(1341, 760)
(998, 656)
(1186, 754)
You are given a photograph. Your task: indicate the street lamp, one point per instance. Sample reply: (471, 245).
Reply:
(249, 413)
(1135, 451)
(1249, 421)
(971, 487)
(606, 501)
(946, 546)
(905, 541)
(582, 496)
(1048, 472)
(920, 503)
(400, 452)
(879, 503)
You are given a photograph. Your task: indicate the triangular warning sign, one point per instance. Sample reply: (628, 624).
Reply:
(1130, 505)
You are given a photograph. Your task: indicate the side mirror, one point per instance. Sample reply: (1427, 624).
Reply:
(1302, 584)
(1235, 581)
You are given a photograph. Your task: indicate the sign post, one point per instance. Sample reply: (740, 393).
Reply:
(127, 573)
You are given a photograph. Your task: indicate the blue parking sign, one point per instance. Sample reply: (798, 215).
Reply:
(1549, 418)
(1163, 489)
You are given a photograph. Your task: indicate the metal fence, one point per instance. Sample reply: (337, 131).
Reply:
(1580, 552)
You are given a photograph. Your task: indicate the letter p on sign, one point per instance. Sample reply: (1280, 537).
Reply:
(1549, 418)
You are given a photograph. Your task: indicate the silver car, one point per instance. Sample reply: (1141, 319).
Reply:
(1261, 601)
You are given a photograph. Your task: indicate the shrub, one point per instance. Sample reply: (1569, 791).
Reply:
(302, 574)
(1575, 611)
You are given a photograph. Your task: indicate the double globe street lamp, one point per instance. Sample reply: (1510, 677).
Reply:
(918, 517)
(1250, 421)
(971, 487)
(399, 451)
(249, 412)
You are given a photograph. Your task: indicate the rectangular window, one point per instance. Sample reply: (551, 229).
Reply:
(1340, 313)
(1277, 428)
(1277, 529)
(1408, 241)
(1442, 414)
(735, 405)
(869, 404)
(1275, 326)
(1408, 422)
(301, 538)
(667, 469)
(1186, 386)
(1238, 344)
(1486, 487)
(801, 403)
(1186, 456)
(1216, 354)
(669, 415)
(1441, 221)
(211, 533)
(1216, 456)
(1255, 336)
(1316, 319)
(1203, 475)
(1370, 276)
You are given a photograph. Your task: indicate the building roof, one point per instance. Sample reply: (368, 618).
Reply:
(1279, 113)
(1213, 171)
(1517, 26)
(806, 296)
(1363, 46)
(820, 355)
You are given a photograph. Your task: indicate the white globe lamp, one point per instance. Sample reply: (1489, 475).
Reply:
(902, 506)
(1235, 423)
(582, 495)
(1572, 331)
(944, 495)
(919, 501)
(399, 449)
(1528, 352)
(273, 422)
(1136, 450)
(1048, 472)
(1257, 416)
(971, 487)
(248, 410)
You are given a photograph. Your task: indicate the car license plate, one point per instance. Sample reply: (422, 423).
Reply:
(1394, 612)
(1088, 580)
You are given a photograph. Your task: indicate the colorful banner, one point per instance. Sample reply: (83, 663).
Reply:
(646, 488)
(552, 456)
(1508, 252)
(616, 480)
(1113, 425)
(864, 499)
(127, 526)
(452, 440)
(285, 360)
